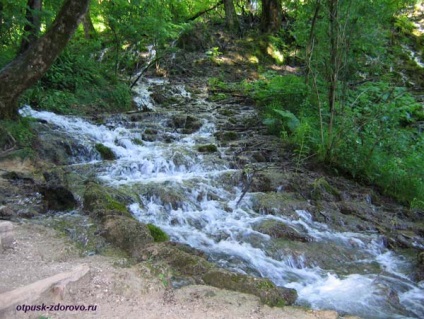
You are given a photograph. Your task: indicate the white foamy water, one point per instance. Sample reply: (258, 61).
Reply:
(187, 194)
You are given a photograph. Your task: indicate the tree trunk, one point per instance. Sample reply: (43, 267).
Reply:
(27, 68)
(231, 19)
(334, 67)
(33, 24)
(89, 31)
(271, 15)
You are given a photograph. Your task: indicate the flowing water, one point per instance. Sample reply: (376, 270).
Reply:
(196, 198)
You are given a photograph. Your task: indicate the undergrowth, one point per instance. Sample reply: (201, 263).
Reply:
(377, 140)
(79, 83)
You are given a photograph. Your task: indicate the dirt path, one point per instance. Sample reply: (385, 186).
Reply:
(116, 291)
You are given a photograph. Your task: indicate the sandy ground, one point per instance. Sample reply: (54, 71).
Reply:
(117, 291)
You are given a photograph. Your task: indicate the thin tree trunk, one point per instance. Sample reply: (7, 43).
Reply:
(27, 68)
(334, 66)
(231, 19)
(33, 24)
(311, 41)
(89, 31)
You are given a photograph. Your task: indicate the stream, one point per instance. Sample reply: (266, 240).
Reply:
(196, 197)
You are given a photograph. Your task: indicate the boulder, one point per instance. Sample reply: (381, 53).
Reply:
(99, 203)
(261, 287)
(179, 258)
(6, 212)
(277, 229)
(127, 233)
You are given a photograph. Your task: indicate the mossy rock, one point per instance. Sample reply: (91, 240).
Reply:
(166, 194)
(99, 203)
(278, 203)
(127, 234)
(105, 152)
(261, 287)
(182, 262)
(277, 229)
(158, 234)
(322, 190)
(228, 136)
(209, 148)
(186, 123)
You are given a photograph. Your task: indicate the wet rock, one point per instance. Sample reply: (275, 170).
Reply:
(227, 136)
(54, 146)
(99, 203)
(278, 204)
(186, 123)
(58, 198)
(105, 152)
(210, 148)
(420, 267)
(167, 194)
(277, 229)
(263, 288)
(7, 237)
(127, 233)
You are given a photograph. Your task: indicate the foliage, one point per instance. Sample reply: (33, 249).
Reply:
(158, 234)
(20, 130)
(375, 139)
(77, 83)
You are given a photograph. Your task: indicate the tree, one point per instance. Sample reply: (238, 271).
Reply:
(231, 19)
(28, 67)
(271, 15)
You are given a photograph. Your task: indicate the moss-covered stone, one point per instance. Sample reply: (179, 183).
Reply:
(127, 233)
(228, 136)
(99, 203)
(277, 229)
(105, 152)
(322, 190)
(187, 123)
(182, 262)
(209, 148)
(158, 234)
(278, 204)
(263, 288)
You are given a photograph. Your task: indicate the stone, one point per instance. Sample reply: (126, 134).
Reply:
(58, 198)
(127, 233)
(261, 287)
(6, 212)
(7, 237)
(277, 229)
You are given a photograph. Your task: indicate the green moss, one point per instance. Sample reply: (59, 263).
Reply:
(137, 141)
(115, 205)
(105, 152)
(210, 148)
(158, 234)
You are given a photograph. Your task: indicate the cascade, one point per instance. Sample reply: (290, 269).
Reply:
(193, 197)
